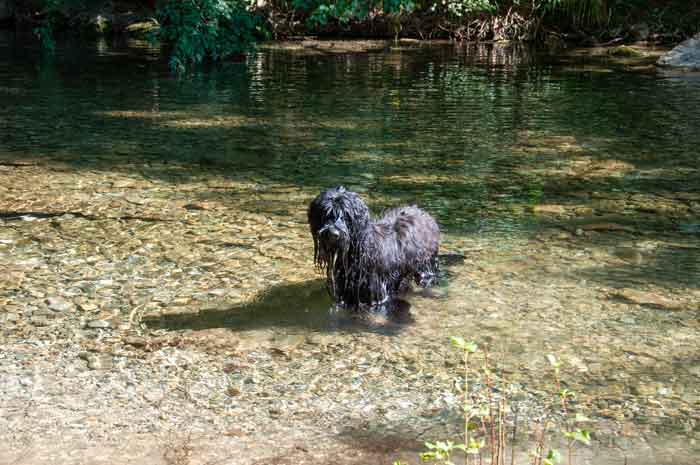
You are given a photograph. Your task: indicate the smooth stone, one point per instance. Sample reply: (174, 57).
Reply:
(88, 307)
(136, 341)
(59, 304)
(625, 51)
(644, 389)
(99, 324)
(547, 209)
(685, 55)
(39, 320)
(142, 28)
(100, 362)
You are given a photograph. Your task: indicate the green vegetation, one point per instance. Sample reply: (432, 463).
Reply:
(490, 427)
(210, 30)
(205, 30)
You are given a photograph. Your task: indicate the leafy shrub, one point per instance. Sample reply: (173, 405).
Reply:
(320, 12)
(200, 30)
(460, 8)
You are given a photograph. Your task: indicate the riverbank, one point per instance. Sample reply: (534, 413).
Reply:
(195, 34)
(665, 23)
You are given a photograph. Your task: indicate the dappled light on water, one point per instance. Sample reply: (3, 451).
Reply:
(176, 210)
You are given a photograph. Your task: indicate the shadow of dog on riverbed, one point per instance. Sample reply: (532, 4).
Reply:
(303, 305)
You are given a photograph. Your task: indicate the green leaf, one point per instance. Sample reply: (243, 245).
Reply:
(583, 436)
(475, 446)
(567, 394)
(579, 435)
(444, 445)
(468, 346)
(553, 456)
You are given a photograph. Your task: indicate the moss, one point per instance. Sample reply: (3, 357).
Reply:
(625, 51)
(142, 28)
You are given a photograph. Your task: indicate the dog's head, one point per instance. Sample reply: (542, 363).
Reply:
(337, 218)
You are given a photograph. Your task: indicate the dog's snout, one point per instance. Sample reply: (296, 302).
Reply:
(329, 230)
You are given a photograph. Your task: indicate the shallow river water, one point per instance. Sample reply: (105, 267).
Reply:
(159, 295)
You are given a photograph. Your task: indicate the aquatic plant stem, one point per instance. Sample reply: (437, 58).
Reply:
(564, 410)
(502, 429)
(489, 389)
(512, 441)
(467, 408)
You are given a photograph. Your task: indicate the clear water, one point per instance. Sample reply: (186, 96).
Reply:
(484, 138)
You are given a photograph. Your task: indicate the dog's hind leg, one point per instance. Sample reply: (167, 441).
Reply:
(427, 275)
(425, 278)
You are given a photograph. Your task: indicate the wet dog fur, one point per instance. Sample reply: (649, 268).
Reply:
(366, 261)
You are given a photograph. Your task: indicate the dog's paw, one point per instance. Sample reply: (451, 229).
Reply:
(425, 279)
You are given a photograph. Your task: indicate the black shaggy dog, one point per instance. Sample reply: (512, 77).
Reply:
(369, 261)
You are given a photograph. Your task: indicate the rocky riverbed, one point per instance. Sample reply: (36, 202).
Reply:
(158, 301)
(177, 318)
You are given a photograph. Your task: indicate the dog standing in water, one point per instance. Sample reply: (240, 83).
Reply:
(366, 261)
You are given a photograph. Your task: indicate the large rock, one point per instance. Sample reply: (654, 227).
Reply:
(684, 55)
(7, 10)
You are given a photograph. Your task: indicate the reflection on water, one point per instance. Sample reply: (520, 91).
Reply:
(572, 194)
